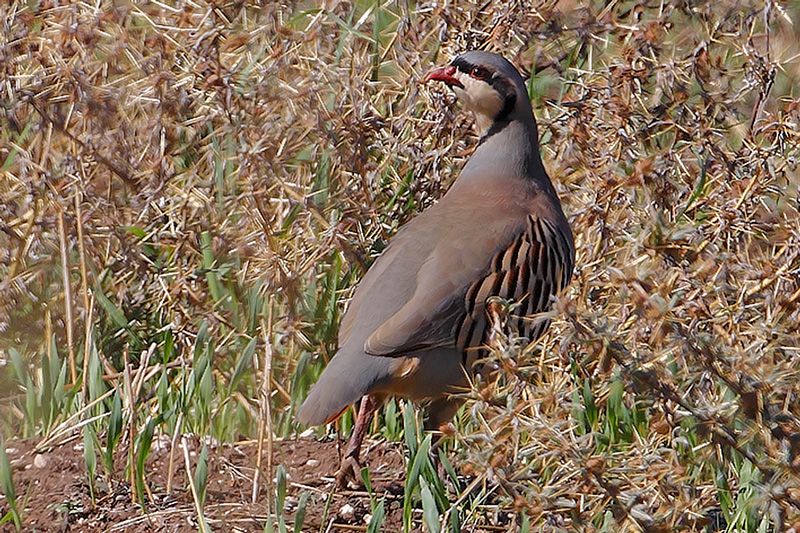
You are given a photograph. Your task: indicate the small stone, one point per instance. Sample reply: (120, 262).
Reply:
(313, 463)
(163, 442)
(367, 519)
(102, 486)
(290, 504)
(11, 451)
(347, 511)
(40, 461)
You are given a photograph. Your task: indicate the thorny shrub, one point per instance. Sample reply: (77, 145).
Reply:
(244, 164)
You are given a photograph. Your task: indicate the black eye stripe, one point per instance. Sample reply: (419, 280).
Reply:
(468, 68)
(497, 80)
(462, 66)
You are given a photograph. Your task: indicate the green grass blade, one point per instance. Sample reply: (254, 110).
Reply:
(244, 362)
(114, 312)
(7, 486)
(300, 513)
(113, 432)
(90, 457)
(430, 513)
(378, 516)
(201, 475)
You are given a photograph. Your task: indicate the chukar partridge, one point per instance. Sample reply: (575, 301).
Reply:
(418, 319)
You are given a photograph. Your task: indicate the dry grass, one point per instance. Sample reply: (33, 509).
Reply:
(240, 166)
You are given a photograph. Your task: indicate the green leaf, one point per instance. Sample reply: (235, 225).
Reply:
(410, 429)
(201, 475)
(525, 527)
(114, 431)
(32, 406)
(327, 311)
(280, 478)
(455, 520)
(12, 154)
(212, 277)
(169, 346)
(449, 469)
(136, 231)
(19, 366)
(378, 516)
(7, 485)
(206, 385)
(368, 485)
(244, 362)
(90, 457)
(420, 459)
(300, 514)
(201, 341)
(142, 452)
(390, 427)
(430, 513)
(114, 312)
(59, 391)
(321, 181)
(97, 386)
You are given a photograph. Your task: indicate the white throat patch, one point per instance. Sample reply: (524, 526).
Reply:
(480, 98)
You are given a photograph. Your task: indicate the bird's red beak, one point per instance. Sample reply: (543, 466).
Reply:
(445, 74)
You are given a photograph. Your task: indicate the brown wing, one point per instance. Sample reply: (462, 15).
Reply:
(535, 259)
(536, 266)
(426, 318)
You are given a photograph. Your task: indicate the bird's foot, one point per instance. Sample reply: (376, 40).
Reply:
(349, 470)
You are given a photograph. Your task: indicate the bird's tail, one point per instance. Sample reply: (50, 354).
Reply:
(348, 377)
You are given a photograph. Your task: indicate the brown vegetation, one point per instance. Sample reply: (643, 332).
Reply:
(188, 192)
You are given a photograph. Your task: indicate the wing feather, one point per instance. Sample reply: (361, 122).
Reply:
(530, 267)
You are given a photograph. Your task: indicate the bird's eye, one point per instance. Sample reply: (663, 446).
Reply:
(479, 73)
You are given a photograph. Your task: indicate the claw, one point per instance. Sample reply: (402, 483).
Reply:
(348, 471)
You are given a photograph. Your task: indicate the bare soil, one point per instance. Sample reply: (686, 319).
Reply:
(53, 491)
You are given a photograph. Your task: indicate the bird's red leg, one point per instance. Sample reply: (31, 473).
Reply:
(351, 467)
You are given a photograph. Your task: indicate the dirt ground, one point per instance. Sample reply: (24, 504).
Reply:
(53, 493)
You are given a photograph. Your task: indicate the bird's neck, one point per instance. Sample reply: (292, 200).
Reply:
(508, 148)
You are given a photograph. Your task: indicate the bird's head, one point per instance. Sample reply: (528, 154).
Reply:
(488, 85)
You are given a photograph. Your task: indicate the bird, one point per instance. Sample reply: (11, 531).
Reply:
(418, 320)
